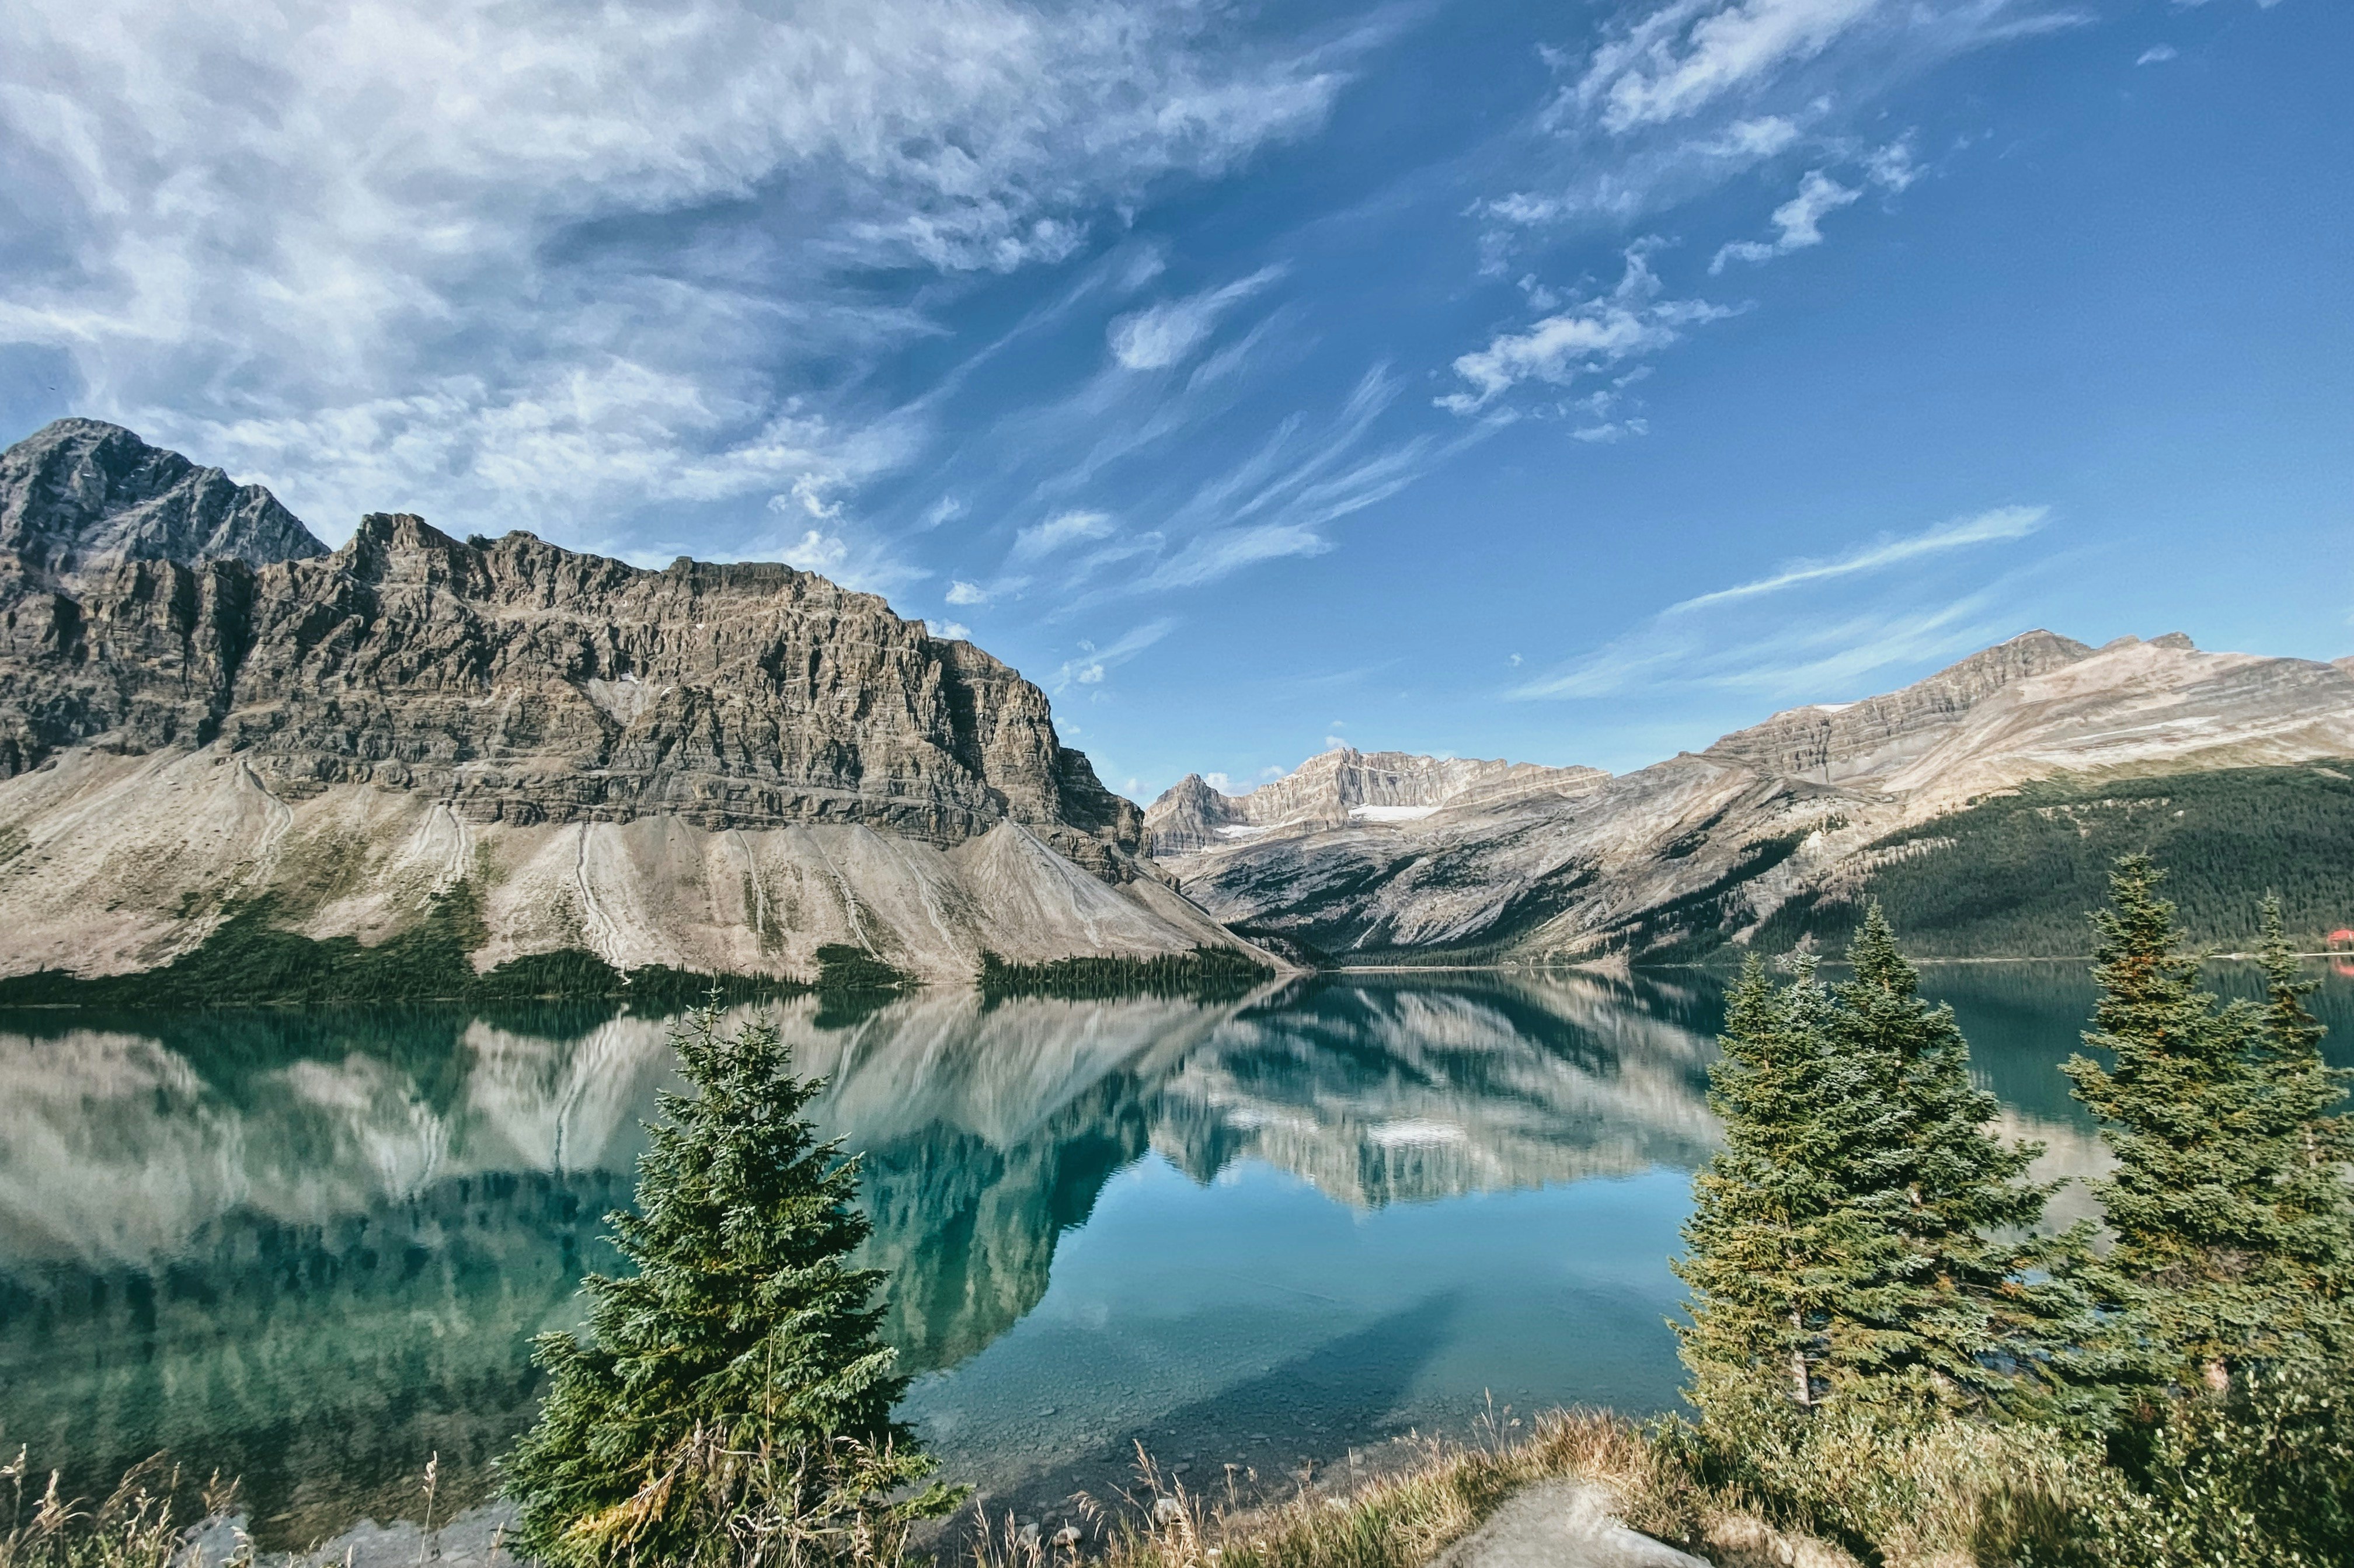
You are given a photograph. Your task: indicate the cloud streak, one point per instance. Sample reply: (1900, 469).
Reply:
(1707, 642)
(1165, 334)
(2000, 523)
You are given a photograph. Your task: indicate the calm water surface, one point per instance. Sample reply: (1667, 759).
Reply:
(310, 1248)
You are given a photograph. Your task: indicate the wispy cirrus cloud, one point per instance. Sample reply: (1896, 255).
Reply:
(1687, 54)
(333, 246)
(1994, 526)
(1164, 335)
(1709, 642)
(1061, 531)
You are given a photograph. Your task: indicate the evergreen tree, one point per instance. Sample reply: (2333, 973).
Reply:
(2312, 1272)
(731, 1401)
(2188, 1111)
(1789, 1265)
(1967, 1330)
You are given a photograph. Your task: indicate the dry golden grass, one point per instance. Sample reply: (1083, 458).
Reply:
(143, 1523)
(1408, 1514)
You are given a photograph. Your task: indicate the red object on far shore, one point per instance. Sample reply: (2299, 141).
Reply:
(2345, 936)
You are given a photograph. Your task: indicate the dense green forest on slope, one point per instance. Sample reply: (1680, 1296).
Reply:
(2014, 875)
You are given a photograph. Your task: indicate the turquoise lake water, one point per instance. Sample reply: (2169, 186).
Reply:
(309, 1248)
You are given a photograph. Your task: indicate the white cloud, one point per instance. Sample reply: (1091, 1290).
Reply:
(1748, 139)
(1893, 168)
(444, 255)
(837, 546)
(1999, 524)
(1798, 222)
(1689, 53)
(1163, 334)
(1632, 320)
(816, 551)
(1220, 782)
(963, 592)
(2157, 54)
(1611, 432)
(1060, 530)
(951, 630)
(1093, 664)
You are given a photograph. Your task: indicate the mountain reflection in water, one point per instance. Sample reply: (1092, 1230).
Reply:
(310, 1248)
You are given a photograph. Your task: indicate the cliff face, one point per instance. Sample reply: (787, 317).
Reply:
(1707, 846)
(353, 730)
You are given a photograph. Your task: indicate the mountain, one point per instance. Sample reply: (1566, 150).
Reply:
(1982, 804)
(719, 767)
(81, 497)
(1343, 787)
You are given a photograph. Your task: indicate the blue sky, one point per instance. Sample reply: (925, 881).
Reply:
(1570, 383)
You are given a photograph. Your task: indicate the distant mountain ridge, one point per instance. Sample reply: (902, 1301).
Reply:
(718, 767)
(1336, 787)
(1802, 812)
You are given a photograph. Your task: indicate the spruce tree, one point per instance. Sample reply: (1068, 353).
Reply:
(1789, 1265)
(731, 1401)
(2312, 1270)
(1967, 1330)
(2188, 1110)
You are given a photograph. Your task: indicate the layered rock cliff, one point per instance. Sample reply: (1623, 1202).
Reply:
(716, 767)
(1709, 847)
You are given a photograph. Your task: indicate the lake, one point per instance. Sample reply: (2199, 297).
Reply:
(309, 1248)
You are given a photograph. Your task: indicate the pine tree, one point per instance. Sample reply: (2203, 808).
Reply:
(2187, 1110)
(2312, 1271)
(1967, 1330)
(1788, 1267)
(732, 1401)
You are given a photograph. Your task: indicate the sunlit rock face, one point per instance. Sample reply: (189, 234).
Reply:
(1716, 842)
(716, 767)
(269, 1238)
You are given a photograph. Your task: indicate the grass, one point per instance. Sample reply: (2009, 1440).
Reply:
(143, 1523)
(1834, 1492)
(1413, 1509)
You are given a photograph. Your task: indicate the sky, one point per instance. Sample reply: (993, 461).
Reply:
(1566, 382)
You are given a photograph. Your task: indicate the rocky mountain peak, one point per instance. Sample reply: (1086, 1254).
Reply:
(79, 497)
(1828, 742)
